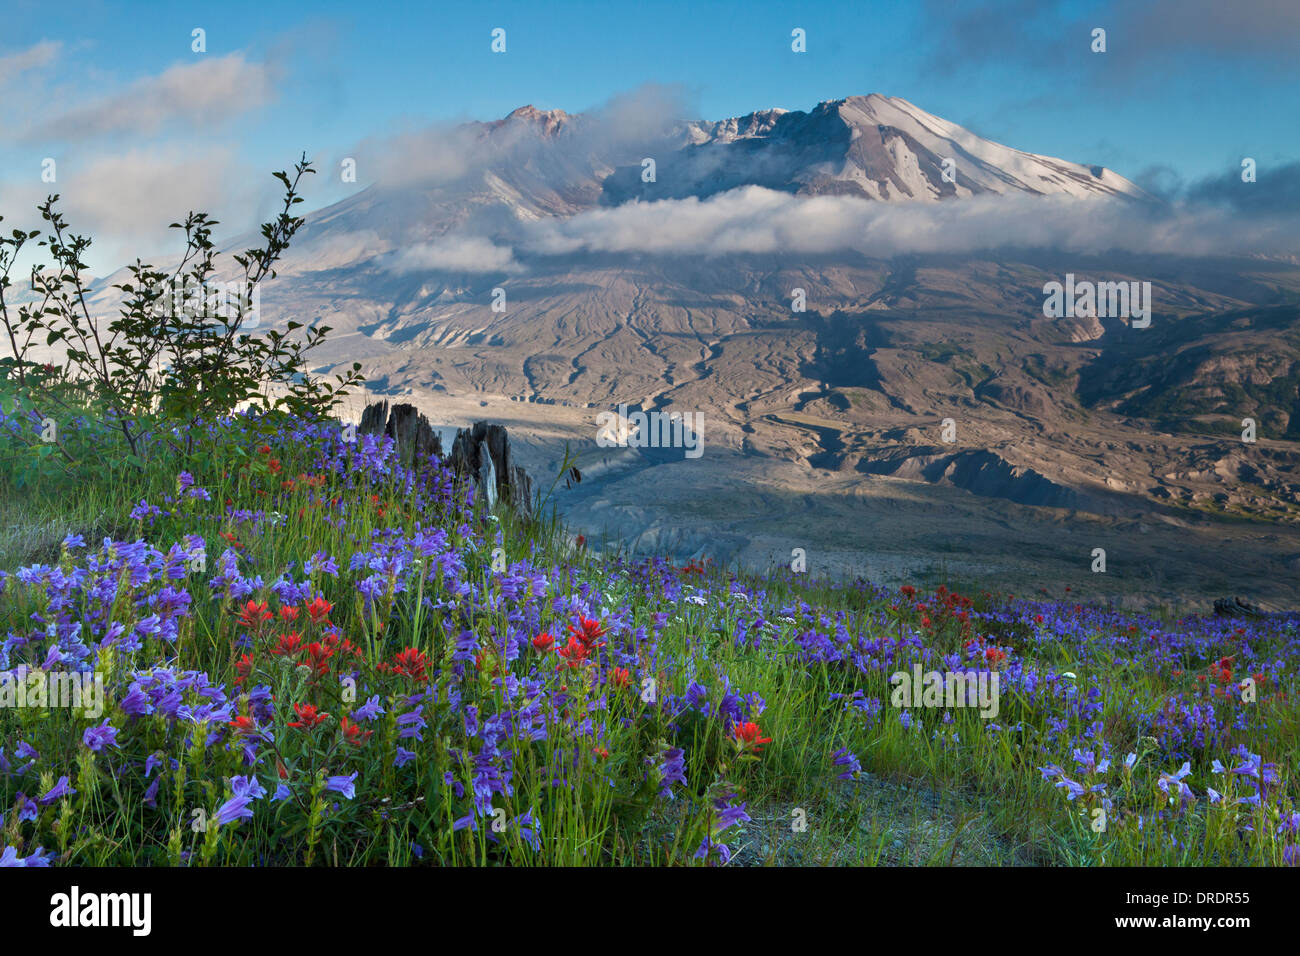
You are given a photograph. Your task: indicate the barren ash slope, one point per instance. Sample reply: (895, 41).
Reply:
(822, 427)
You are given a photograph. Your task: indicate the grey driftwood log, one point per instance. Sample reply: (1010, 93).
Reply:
(480, 453)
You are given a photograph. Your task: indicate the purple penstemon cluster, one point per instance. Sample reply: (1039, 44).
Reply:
(671, 768)
(725, 815)
(1090, 769)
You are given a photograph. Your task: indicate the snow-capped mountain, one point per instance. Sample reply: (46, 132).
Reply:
(874, 147)
(486, 179)
(536, 163)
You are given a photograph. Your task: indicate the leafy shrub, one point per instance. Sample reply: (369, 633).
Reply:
(178, 353)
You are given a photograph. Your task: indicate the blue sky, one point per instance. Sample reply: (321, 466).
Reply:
(1185, 89)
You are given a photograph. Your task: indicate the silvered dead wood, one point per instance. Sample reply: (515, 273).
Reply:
(309, 655)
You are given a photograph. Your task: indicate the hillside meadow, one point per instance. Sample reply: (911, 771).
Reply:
(314, 652)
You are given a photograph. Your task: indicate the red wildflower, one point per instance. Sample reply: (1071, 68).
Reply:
(253, 614)
(574, 653)
(289, 644)
(589, 633)
(244, 724)
(308, 716)
(995, 655)
(243, 667)
(320, 655)
(319, 610)
(353, 733)
(543, 641)
(620, 676)
(411, 663)
(747, 736)
(288, 614)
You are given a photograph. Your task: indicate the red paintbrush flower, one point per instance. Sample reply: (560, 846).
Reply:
(620, 676)
(252, 614)
(411, 663)
(289, 644)
(589, 632)
(320, 655)
(319, 610)
(353, 733)
(574, 653)
(244, 724)
(543, 641)
(308, 716)
(748, 737)
(243, 667)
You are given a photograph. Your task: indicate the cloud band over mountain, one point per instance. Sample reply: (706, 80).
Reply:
(753, 219)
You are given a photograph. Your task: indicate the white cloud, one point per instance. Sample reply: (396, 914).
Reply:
(757, 220)
(194, 94)
(622, 129)
(335, 250)
(453, 254)
(34, 57)
(125, 201)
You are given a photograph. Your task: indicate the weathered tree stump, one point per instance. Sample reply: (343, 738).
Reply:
(483, 451)
(1237, 607)
(480, 453)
